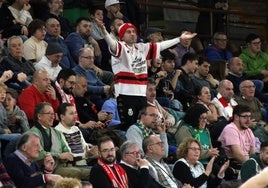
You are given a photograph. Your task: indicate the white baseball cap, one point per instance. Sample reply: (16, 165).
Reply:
(112, 2)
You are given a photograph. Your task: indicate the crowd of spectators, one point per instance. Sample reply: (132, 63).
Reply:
(95, 101)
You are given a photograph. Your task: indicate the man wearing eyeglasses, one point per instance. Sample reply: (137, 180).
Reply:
(107, 173)
(255, 60)
(95, 86)
(218, 50)
(247, 92)
(137, 169)
(237, 138)
(148, 123)
(52, 142)
(154, 151)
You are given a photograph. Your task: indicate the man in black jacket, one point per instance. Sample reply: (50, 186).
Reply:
(137, 169)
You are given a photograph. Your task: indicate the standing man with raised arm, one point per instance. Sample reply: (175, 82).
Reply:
(130, 68)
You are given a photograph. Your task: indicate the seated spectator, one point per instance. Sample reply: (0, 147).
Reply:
(167, 81)
(112, 10)
(218, 70)
(110, 107)
(154, 150)
(73, 138)
(81, 38)
(236, 74)
(16, 118)
(51, 141)
(55, 11)
(96, 13)
(153, 34)
(107, 173)
(15, 19)
(255, 163)
(189, 64)
(217, 50)
(53, 35)
(148, 124)
(90, 118)
(215, 117)
(166, 117)
(23, 169)
(261, 132)
(22, 69)
(246, 97)
(137, 169)
(194, 126)
(255, 60)
(39, 91)
(64, 85)
(182, 48)
(202, 76)
(6, 136)
(35, 47)
(50, 61)
(188, 169)
(96, 88)
(237, 138)
(224, 99)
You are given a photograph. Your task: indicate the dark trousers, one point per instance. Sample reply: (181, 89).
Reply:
(128, 109)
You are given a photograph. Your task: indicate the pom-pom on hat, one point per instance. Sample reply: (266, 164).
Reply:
(53, 48)
(122, 29)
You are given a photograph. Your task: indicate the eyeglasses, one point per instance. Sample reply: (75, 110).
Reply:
(249, 87)
(194, 149)
(48, 113)
(222, 40)
(245, 116)
(134, 153)
(158, 143)
(153, 115)
(71, 82)
(108, 150)
(89, 57)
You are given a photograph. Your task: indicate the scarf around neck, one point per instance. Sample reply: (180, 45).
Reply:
(118, 176)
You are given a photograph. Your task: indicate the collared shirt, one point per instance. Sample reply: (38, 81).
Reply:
(23, 157)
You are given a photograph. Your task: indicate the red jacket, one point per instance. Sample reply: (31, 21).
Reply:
(30, 97)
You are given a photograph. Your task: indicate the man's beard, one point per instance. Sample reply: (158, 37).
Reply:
(68, 91)
(109, 161)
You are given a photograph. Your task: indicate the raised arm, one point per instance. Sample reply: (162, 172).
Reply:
(112, 43)
(168, 43)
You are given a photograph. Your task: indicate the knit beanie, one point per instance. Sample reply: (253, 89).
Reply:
(53, 48)
(122, 29)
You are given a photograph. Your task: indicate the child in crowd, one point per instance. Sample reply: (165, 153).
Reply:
(16, 118)
(6, 136)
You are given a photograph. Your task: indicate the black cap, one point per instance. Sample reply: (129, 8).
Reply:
(151, 30)
(53, 48)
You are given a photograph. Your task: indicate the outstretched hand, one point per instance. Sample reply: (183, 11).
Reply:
(188, 35)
